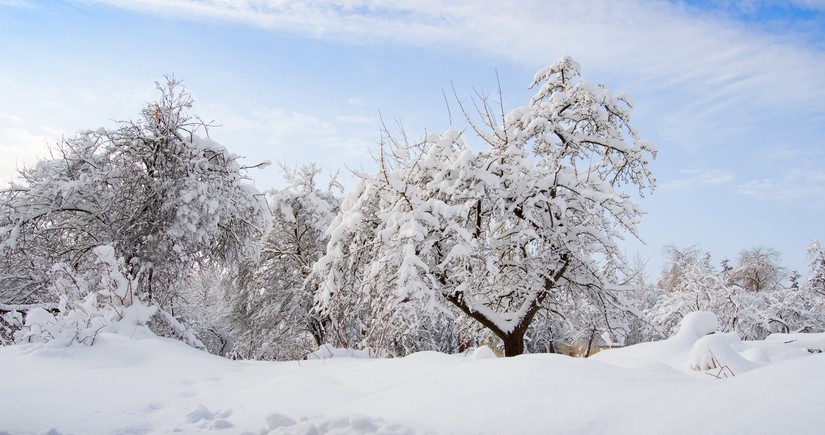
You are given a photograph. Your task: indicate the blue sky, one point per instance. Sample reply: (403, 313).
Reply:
(730, 91)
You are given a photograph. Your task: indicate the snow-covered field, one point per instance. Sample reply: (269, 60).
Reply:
(143, 384)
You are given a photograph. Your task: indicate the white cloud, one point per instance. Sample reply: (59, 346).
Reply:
(817, 5)
(794, 185)
(690, 69)
(15, 3)
(356, 101)
(21, 144)
(294, 137)
(693, 178)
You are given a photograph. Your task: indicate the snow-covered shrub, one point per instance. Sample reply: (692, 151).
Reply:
(11, 321)
(88, 303)
(157, 191)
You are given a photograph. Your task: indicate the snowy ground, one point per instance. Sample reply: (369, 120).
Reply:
(143, 384)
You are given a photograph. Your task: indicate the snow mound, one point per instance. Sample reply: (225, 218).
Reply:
(725, 355)
(483, 352)
(698, 347)
(813, 343)
(674, 351)
(344, 424)
(697, 324)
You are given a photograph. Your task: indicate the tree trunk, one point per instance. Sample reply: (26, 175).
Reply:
(590, 343)
(513, 340)
(513, 343)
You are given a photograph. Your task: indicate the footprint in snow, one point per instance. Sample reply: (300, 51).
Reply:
(203, 418)
(343, 424)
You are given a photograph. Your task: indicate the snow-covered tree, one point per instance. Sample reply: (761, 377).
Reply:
(272, 314)
(690, 283)
(156, 192)
(204, 306)
(753, 311)
(758, 269)
(680, 265)
(816, 265)
(495, 234)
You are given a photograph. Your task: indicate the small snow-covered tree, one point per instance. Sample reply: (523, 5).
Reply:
(204, 306)
(751, 313)
(678, 265)
(758, 269)
(816, 266)
(272, 314)
(156, 192)
(690, 283)
(494, 234)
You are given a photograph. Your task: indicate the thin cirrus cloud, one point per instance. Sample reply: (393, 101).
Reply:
(795, 184)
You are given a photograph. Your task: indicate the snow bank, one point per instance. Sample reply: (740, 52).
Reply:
(151, 385)
(699, 347)
(813, 343)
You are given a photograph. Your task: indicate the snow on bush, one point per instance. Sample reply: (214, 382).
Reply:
(483, 352)
(89, 302)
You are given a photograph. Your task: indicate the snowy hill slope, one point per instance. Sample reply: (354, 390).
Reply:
(144, 384)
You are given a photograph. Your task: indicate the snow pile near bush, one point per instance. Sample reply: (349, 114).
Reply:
(698, 346)
(145, 384)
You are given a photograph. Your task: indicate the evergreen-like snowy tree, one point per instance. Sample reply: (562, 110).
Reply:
(816, 265)
(272, 313)
(498, 234)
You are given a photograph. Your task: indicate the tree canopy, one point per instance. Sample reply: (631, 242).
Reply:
(495, 233)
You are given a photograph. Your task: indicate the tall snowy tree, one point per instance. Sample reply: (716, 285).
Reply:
(495, 234)
(157, 192)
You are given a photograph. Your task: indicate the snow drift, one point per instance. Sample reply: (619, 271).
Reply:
(141, 384)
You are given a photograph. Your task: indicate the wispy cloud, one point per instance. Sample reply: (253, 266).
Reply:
(704, 69)
(16, 3)
(693, 178)
(22, 143)
(276, 133)
(793, 185)
(818, 5)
